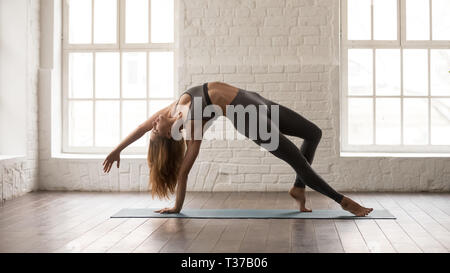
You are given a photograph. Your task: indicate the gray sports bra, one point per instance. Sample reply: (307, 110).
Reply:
(200, 91)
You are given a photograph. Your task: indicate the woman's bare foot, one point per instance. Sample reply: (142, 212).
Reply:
(299, 195)
(355, 208)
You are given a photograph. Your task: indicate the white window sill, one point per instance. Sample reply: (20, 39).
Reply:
(11, 157)
(366, 154)
(94, 156)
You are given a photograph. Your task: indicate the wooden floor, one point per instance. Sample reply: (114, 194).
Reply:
(79, 222)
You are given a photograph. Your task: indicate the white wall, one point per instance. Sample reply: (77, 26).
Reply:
(288, 50)
(19, 59)
(13, 76)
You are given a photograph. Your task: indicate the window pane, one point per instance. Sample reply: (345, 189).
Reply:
(80, 19)
(136, 23)
(80, 80)
(415, 72)
(388, 117)
(440, 121)
(440, 72)
(360, 121)
(80, 121)
(415, 124)
(388, 72)
(107, 75)
(134, 75)
(161, 74)
(162, 21)
(105, 21)
(133, 114)
(107, 122)
(360, 71)
(156, 105)
(441, 19)
(417, 20)
(385, 19)
(359, 19)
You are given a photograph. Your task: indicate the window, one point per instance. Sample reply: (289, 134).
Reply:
(395, 80)
(118, 69)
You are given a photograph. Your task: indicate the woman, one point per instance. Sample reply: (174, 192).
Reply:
(170, 163)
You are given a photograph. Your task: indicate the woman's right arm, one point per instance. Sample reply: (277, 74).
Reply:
(193, 148)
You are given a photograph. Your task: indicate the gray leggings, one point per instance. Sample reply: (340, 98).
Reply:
(291, 124)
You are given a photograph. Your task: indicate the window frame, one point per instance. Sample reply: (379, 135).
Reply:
(401, 43)
(120, 47)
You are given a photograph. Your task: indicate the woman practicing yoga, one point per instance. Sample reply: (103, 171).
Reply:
(170, 162)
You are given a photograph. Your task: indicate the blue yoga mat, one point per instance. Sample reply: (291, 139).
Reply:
(250, 213)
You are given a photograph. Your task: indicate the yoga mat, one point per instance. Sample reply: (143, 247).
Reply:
(250, 213)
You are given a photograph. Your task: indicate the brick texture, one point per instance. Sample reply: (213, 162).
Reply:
(19, 176)
(288, 51)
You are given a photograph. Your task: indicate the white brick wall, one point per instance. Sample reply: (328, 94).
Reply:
(19, 176)
(287, 50)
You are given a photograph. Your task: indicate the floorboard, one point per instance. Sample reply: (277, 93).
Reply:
(80, 222)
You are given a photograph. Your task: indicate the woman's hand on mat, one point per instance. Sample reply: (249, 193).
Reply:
(168, 210)
(109, 161)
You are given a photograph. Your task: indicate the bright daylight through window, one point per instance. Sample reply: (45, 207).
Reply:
(395, 57)
(119, 69)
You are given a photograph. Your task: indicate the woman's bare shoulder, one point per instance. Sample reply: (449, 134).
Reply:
(220, 85)
(184, 99)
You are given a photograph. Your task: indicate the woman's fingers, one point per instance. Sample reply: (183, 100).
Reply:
(162, 210)
(106, 160)
(107, 164)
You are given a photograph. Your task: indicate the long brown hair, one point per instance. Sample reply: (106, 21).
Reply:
(164, 160)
